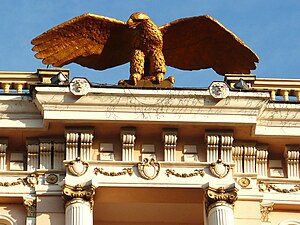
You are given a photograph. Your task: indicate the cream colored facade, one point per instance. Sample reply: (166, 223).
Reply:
(81, 154)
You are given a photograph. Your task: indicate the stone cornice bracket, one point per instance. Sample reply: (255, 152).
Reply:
(128, 140)
(169, 138)
(220, 196)
(30, 205)
(79, 192)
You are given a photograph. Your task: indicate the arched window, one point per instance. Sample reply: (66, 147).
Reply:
(290, 222)
(6, 220)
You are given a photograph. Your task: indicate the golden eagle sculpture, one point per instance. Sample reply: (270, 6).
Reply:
(100, 42)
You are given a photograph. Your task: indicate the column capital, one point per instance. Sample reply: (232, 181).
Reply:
(220, 196)
(79, 192)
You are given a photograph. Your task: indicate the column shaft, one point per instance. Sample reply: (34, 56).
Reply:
(221, 215)
(78, 212)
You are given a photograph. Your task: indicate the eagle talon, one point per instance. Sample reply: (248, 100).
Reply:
(160, 77)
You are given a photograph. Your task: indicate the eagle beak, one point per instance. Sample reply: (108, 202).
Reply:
(131, 24)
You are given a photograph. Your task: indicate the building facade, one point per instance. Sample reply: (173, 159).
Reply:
(74, 153)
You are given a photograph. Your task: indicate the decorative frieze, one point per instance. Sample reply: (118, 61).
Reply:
(169, 137)
(196, 172)
(292, 153)
(128, 141)
(262, 160)
(124, 171)
(3, 147)
(30, 181)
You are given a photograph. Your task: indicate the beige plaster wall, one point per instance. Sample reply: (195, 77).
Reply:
(275, 217)
(16, 212)
(50, 210)
(247, 213)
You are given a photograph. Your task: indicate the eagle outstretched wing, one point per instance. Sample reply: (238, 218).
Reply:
(92, 41)
(202, 42)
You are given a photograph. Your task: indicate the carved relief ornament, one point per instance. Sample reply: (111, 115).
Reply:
(30, 205)
(30, 181)
(78, 167)
(148, 168)
(85, 193)
(219, 196)
(219, 169)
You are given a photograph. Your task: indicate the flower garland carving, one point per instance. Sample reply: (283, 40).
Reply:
(125, 171)
(263, 186)
(30, 181)
(196, 172)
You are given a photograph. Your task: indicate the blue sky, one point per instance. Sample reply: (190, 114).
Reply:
(270, 28)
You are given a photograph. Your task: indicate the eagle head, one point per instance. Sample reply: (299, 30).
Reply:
(136, 19)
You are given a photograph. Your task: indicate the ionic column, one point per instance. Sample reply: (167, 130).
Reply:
(219, 205)
(169, 137)
(30, 205)
(79, 205)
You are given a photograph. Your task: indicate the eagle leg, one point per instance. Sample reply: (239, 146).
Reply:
(137, 66)
(157, 65)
